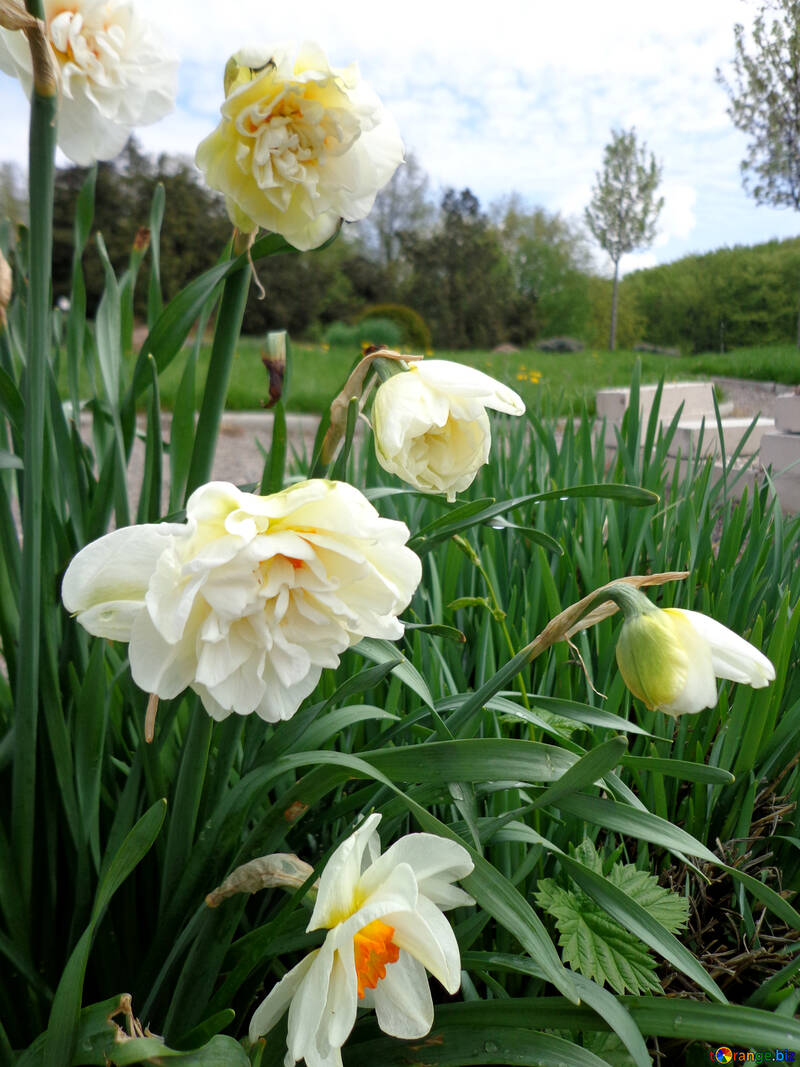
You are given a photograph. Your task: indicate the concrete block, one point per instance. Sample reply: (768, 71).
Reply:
(787, 487)
(781, 451)
(787, 412)
(687, 436)
(697, 399)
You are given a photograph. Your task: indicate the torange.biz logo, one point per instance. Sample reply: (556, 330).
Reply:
(723, 1054)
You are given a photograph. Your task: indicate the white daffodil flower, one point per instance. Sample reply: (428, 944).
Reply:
(383, 914)
(301, 145)
(114, 74)
(430, 423)
(671, 659)
(249, 599)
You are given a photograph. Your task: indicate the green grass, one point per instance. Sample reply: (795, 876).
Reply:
(562, 381)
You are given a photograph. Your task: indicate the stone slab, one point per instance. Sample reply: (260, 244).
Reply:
(787, 412)
(692, 434)
(781, 450)
(697, 399)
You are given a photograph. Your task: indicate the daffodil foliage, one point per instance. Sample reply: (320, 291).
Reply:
(333, 767)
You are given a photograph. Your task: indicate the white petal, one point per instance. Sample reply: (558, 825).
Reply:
(272, 1008)
(459, 380)
(335, 896)
(733, 657)
(340, 1006)
(309, 1004)
(700, 690)
(402, 999)
(158, 666)
(428, 936)
(106, 583)
(429, 856)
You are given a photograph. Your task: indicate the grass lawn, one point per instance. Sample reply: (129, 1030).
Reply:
(560, 382)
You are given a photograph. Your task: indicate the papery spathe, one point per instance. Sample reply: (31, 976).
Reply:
(430, 423)
(114, 74)
(252, 597)
(385, 923)
(671, 659)
(301, 145)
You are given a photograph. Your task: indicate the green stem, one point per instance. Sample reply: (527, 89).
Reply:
(41, 166)
(226, 335)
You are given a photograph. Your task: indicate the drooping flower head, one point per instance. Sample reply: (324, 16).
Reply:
(251, 598)
(430, 424)
(385, 923)
(671, 658)
(301, 145)
(115, 74)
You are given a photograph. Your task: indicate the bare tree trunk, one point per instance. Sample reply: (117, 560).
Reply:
(613, 335)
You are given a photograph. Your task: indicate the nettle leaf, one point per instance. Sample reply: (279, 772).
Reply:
(595, 944)
(588, 855)
(668, 908)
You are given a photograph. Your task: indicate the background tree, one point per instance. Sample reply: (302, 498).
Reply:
(401, 208)
(765, 104)
(550, 263)
(623, 211)
(460, 280)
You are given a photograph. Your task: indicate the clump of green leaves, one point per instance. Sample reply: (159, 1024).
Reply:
(595, 944)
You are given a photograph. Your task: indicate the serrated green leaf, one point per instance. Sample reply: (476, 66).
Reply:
(595, 944)
(588, 855)
(666, 907)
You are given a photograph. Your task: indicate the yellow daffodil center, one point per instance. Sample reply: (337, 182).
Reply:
(373, 948)
(652, 658)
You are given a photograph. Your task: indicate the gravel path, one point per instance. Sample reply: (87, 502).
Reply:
(750, 398)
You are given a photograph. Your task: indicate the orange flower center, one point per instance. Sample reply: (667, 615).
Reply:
(374, 948)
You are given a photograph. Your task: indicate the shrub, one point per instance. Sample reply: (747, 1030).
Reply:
(373, 331)
(414, 329)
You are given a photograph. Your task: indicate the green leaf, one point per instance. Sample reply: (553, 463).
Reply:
(594, 944)
(95, 1031)
(609, 1008)
(383, 651)
(460, 1044)
(666, 907)
(597, 762)
(643, 824)
(620, 907)
(62, 1028)
(221, 1051)
(677, 768)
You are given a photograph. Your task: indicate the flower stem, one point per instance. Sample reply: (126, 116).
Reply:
(41, 169)
(226, 334)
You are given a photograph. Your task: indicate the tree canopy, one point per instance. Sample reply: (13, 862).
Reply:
(623, 212)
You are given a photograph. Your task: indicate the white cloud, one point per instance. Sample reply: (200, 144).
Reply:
(522, 97)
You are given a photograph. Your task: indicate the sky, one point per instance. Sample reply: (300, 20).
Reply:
(512, 95)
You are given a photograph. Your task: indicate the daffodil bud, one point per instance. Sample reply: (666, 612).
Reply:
(431, 427)
(670, 659)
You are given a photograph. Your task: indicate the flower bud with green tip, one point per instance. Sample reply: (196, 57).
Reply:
(671, 658)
